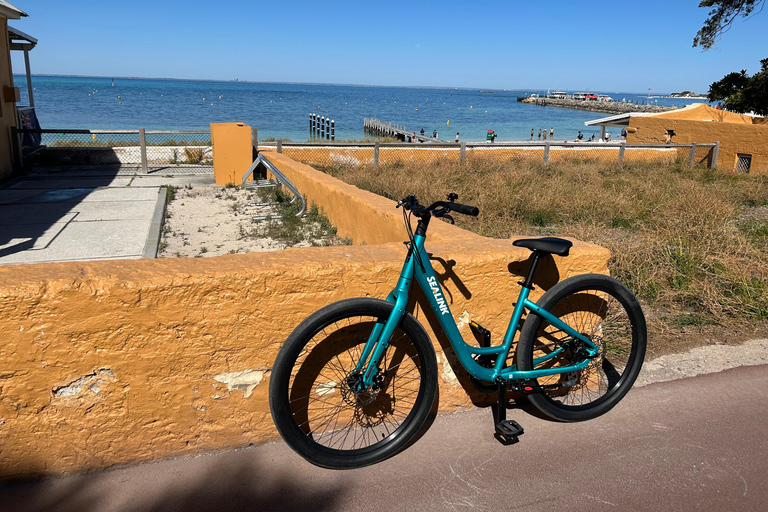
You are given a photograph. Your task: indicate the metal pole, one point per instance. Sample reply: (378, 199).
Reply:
(279, 145)
(333, 129)
(29, 79)
(376, 155)
(463, 151)
(327, 127)
(143, 150)
(715, 155)
(621, 151)
(546, 152)
(255, 141)
(322, 127)
(692, 155)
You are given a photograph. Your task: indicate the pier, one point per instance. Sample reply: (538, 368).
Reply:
(609, 107)
(396, 131)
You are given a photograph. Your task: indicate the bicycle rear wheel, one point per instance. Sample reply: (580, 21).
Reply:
(314, 393)
(605, 311)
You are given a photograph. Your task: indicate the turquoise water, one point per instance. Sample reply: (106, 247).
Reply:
(282, 110)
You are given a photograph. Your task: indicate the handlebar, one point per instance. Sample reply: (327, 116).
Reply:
(438, 208)
(463, 208)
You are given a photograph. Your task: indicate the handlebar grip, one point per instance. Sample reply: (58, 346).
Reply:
(465, 209)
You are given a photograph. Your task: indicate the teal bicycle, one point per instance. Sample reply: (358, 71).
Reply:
(354, 382)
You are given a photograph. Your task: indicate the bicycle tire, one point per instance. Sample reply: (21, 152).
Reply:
(310, 386)
(609, 314)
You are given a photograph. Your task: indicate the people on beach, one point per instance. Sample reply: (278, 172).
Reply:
(457, 138)
(434, 134)
(545, 134)
(413, 137)
(580, 136)
(551, 133)
(531, 133)
(624, 134)
(422, 132)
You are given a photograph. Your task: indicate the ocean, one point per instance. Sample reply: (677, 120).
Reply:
(282, 110)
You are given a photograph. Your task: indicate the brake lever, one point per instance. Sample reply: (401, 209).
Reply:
(446, 216)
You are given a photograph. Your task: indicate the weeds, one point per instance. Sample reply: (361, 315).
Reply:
(690, 242)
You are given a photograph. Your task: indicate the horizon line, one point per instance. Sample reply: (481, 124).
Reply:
(236, 80)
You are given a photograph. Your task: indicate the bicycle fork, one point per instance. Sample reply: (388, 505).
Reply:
(378, 340)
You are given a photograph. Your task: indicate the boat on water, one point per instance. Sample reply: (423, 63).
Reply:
(484, 91)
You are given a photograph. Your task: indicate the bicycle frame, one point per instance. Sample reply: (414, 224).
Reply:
(427, 280)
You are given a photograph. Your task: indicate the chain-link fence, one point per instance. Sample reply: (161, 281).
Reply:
(114, 151)
(375, 154)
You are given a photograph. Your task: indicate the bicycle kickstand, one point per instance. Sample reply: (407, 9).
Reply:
(507, 431)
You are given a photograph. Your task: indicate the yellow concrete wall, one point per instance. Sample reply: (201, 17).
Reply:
(112, 362)
(7, 109)
(232, 152)
(734, 138)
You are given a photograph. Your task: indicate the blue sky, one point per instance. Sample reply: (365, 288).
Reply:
(606, 46)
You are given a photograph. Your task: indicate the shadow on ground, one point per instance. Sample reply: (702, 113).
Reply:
(184, 485)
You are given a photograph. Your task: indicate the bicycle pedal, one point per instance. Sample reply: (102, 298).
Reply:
(509, 430)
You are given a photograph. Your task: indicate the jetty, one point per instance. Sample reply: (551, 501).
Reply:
(608, 107)
(396, 131)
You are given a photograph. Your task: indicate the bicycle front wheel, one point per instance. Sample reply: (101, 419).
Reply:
(606, 312)
(315, 395)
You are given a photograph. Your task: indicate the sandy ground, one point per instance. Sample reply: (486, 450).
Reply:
(211, 221)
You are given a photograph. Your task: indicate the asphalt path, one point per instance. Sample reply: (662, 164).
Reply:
(698, 443)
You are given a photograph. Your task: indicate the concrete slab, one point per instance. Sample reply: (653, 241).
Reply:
(195, 180)
(72, 241)
(79, 182)
(78, 218)
(20, 214)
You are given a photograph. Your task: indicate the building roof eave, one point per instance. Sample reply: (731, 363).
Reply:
(618, 120)
(10, 11)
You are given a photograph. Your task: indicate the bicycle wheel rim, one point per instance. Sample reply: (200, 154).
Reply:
(605, 317)
(328, 413)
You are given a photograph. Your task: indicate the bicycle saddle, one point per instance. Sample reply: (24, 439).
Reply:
(546, 245)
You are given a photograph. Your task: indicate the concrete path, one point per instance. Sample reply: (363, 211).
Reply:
(46, 219)
(693, 444)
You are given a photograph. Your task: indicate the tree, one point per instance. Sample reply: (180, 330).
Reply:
(743, 93)
(721, 17)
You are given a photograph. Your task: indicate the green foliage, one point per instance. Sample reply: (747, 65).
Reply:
(743, 93)
(721, 17)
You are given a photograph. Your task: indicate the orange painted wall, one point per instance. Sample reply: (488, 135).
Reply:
(115, 362)
(734, 138)
(232, 152)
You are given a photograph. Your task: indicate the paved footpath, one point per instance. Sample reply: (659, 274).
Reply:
(699, 443)
(50, 218)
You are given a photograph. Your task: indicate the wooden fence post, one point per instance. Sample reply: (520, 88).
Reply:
(546, 152)
(692, 155)
(279, 145)
(376, 155)
(463, 152)
(715, 155)
(621, 151)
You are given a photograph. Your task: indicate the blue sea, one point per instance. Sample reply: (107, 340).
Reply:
(282, 110)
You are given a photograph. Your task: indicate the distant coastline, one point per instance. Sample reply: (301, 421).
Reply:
(327, 84)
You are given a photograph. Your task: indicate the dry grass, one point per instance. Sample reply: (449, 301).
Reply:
(692, 243)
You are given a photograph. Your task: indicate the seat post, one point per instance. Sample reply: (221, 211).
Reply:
(528, 283)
